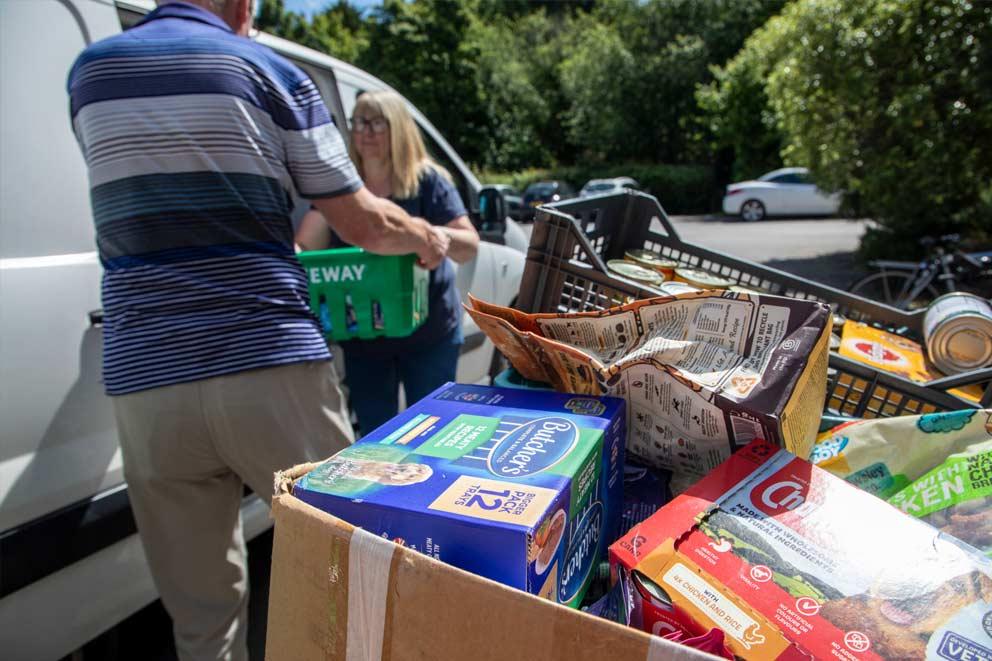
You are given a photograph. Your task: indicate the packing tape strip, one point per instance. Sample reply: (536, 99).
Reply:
(369, 560)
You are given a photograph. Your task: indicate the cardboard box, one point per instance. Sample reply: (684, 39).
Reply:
(342, 594)
(793, 562)
(523, 488)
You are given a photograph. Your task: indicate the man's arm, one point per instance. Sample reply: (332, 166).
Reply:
(381, 227)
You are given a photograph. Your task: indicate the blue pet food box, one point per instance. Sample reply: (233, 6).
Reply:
(522, 487)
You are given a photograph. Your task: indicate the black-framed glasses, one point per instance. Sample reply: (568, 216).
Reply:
(375, 124)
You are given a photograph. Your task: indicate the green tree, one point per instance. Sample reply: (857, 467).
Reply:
(338, 30)
(892, 101)
(889, 101)
(596, 78)
(516, 110)
(632, 74)
(739, 121)
(542, 41)
(421, 48)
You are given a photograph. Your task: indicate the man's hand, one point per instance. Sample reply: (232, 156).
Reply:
(435, 247)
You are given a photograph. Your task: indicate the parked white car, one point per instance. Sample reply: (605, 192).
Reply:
(71, 565)
(608, 186)
(784, 192)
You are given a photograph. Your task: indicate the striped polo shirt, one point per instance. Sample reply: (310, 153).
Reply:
(195, 140)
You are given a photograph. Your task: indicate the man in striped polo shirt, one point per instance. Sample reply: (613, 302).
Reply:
(195, 138)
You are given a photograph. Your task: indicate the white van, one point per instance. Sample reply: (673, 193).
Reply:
(71, 565)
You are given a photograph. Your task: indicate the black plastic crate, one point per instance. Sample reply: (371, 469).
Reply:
(566, 272)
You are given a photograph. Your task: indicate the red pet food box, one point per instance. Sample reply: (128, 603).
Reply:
(794, 563)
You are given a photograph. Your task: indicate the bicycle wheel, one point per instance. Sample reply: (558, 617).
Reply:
(893, 288)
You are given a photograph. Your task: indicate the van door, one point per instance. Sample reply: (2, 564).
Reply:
(59, 439)
(327, 85)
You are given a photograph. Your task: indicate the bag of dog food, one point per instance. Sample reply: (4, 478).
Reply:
(936, 467)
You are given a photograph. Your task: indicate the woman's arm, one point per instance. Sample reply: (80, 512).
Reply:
(313, 233)
(464, 239)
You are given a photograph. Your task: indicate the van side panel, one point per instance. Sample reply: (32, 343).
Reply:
(60, 444)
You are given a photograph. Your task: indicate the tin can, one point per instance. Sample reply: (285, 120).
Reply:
(957, 329)
(701, 279)
(652, 260)
(634, 271)
(675, 288)
(744, 290)
(658, 614)
(835, 342)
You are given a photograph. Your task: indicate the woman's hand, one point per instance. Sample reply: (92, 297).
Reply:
(435, 246)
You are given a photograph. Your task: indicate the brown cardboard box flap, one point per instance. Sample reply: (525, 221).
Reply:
(284, 479)
(338, 592)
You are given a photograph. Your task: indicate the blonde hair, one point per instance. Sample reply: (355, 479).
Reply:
(408, 157)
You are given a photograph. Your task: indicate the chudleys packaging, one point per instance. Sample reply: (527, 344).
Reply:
(523, 487)
(793, 563)
(936, 467)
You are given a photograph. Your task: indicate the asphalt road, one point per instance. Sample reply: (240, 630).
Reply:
(820, 249)
(817, 248)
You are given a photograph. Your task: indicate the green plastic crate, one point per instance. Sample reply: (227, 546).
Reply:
(358, 295)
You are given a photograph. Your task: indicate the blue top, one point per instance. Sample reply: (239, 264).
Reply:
(438, 202)
(195, 139)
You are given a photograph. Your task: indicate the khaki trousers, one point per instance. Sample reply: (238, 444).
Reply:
(188, 450)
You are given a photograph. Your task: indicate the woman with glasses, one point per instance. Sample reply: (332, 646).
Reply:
(389, 152)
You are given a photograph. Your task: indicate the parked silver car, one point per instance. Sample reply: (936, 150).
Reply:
(608, 186)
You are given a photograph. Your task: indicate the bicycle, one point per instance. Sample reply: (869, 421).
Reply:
(912, 285)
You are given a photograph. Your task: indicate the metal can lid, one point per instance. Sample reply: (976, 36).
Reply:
(970, 346)
(839, 320)
(650, 259)
(834, 342)
(703, 279)
(962, 343)
(744, 290)
(676, 288)
(634, 271)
